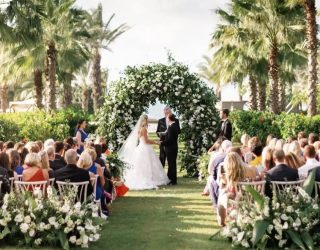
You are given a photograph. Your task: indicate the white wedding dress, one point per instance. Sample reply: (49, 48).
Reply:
(146, 170)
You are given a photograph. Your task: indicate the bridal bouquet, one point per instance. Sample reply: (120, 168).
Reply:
(29, 219)
(292, 218)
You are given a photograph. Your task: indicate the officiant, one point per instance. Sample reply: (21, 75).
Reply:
(162, 131)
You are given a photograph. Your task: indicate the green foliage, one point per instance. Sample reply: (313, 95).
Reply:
(116, 165)
(257, 123)
(253, 123)
(40, 125)
(193, 100)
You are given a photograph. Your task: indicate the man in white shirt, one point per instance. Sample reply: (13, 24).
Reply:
(309, 153)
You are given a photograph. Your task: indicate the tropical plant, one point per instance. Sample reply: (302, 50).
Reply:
(101, 36)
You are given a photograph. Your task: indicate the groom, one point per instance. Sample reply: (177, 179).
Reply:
(162, 131)
(170, 144)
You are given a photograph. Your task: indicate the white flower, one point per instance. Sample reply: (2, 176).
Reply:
(96, 237)
(290, 209)
(24, 227)
(27, 219)
(38, 242)
(266, 211)
(78, 242)
(282, 243)
(85, 240)
(73, 239)
(285, 225)
(245, 243)
(70, 223)
(284, 217)
(240, 236)
(18, 218)
(52, 220)
(32, 233)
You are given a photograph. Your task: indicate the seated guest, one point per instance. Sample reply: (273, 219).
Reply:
(71, 172)
(317, 148)
(279, 144)
(312, 138)
(267, 161)
(218, 159)
(256, 149)
(8, 145)
(286, 148)
(292, 160)
(40, 145)
(309, 153)
(99, 160)
(48, 143)
(5, 163)
(5, 186)
(269, 138)
(58, 162)
(232, 173)
(281, 171)
(303, 142)
(50, 152)
(317, 174)
(272, 143)
(296, 149)
(302, 135)
(250, 173)
(32, 147)
(15, 161)
(246, 151)
(33, 170)
(45, 163)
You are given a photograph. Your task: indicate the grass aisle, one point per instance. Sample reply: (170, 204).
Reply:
(173, 217)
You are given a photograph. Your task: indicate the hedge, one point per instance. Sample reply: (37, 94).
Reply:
(40, 125)
(256, 123)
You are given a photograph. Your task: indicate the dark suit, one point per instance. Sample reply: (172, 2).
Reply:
(72, 173)
(281, 172)
(162, 127)
(171, 149)
(225, 129)
(58, 162)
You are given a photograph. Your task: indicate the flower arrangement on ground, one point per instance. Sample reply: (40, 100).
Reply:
(291, 218)
(29, 219)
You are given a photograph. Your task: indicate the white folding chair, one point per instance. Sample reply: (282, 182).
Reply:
(82, 188)
(51, 182)
(0, 186)
(20, 177)
(94, 183)
(23, 186)
(259, 186)
(278, 186)
(11, 179)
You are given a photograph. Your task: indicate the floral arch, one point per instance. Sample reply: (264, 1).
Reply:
(173, 84)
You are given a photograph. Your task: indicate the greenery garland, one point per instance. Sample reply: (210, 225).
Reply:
(173, 84)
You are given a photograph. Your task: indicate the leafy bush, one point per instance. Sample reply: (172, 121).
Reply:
(256, 123)
(40, 125)
(253, 123)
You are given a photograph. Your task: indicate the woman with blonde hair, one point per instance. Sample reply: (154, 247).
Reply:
(245, 143)
(292, 160)
(45, 163)
(296, 149)
(33, 170)
(279, 144)
(272, 143)
(85, 161)
(232, 172)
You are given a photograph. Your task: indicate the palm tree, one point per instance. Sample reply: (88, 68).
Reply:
(312, 46)
(101, 38)
(206, 70)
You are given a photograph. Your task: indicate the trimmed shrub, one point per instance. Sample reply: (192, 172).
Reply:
(260, 124)
(40, 125)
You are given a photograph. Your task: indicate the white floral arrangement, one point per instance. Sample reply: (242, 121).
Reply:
(29, 219)
(292, 218)
(173, 84)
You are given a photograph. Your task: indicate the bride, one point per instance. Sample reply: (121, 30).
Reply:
(146, 170)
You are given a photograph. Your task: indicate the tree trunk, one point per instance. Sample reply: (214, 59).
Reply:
(96, 75)
(252, 93)
(4, 98)
(274, 77)
(240, 92)
(67, 92)
(311, 29)
(38, 84)
(262, 95)
(282, 96)
(218, 92)
(51, 69)
(85, 99)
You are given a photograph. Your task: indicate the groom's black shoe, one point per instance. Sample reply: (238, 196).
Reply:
(172, 183)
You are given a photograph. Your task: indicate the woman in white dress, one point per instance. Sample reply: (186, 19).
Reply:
(146, 170)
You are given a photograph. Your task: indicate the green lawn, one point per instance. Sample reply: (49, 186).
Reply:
(174, 217)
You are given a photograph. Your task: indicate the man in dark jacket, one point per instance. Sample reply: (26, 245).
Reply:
(58, 162)
(71, 173)
(225, 125)
(162, 131)
(281, 172)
